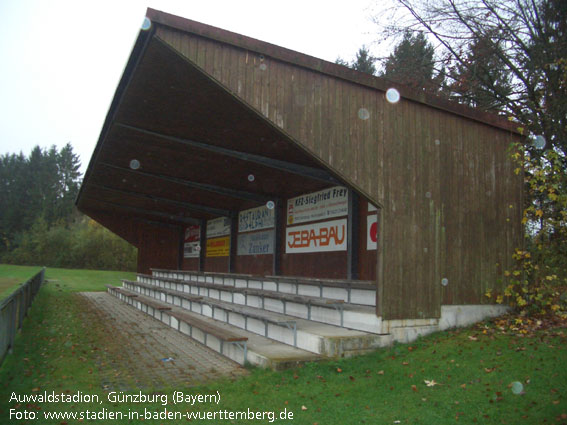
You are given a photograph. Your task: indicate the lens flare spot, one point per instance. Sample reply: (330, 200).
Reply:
(539, 142)
(134, 164)
(392, 95)
(147, 24)
(363, 114)
(517, 387)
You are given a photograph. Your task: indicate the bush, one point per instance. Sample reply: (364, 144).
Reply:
(81, 244)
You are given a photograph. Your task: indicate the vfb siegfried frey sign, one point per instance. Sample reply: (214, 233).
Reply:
(317, 237)
(325, 204)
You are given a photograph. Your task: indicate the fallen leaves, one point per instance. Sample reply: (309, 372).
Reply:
(431, 383)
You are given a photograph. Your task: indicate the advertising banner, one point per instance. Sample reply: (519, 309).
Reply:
(191, 244)
(317, 237)
(218, 247)
(328, 203)
(256, 219)
(259, 243)
(218, 227)
(193, 233)
(191, 250)
(371, 232)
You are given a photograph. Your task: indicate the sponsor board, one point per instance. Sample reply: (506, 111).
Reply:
(256, 219)
(218, 227)
(371, 232)
(218, 247)
(191, 244)
(193, 233)
(317, 237)
(191, 250)
(258, 243)
(328, 203)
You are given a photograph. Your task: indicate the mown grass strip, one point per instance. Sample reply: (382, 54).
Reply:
(13, 276)
(477, 375)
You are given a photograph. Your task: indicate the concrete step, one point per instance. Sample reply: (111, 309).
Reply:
(325, 310)
(328, 340)
(351, 291)
(237, 344)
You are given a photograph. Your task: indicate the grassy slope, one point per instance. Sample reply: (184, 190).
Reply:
(58, 347)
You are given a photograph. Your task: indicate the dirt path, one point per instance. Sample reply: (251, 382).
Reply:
(139, 352)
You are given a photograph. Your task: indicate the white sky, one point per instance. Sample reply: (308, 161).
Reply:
(61, 60)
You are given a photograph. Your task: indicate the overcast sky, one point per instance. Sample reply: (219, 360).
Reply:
(61, 60)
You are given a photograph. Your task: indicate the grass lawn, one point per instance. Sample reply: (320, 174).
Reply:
(12, 276)
(478, 375)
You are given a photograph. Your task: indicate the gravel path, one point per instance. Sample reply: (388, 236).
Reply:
(139, 352)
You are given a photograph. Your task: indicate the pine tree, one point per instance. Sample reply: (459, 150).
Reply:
(364, 61)
(412, 63)
(482, 80)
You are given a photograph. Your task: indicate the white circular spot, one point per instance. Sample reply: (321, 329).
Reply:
(134, 164)
(539, 142)
(437, 142)
(147, 24)
(444, 281)
(517, 387)
(392, 95)
(263, 67)
(251, 177)
(363, 114)
(270, 205)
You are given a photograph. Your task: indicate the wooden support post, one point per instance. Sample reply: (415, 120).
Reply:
(233, 243)
(202, 244)
(352, 235)
(278, 226)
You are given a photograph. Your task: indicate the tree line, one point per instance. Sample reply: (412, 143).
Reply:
(39, 223)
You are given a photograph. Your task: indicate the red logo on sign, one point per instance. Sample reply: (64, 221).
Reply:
(374, 232)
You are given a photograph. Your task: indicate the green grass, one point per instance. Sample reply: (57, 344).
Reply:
(12, 276)
(59, 350)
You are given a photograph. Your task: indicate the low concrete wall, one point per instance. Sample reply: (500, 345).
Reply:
(452, 316)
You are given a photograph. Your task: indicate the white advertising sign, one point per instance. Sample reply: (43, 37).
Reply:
(218, 227)
(258, 243)
(371, 232)
(328, 203)
(256, 219)
(317, 237)
(191, 245)
(191, 250)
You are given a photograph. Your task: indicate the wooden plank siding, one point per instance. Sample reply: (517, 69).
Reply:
(445, 182)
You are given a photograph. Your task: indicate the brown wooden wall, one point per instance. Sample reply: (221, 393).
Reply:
(190, 264)
(159, 247)
(446, 205)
